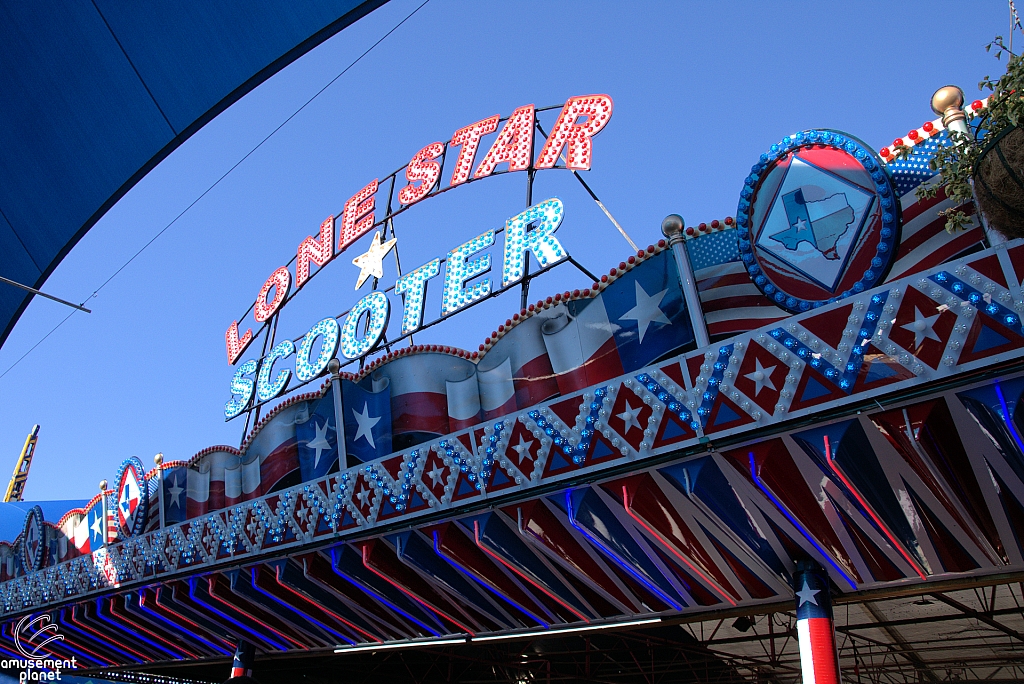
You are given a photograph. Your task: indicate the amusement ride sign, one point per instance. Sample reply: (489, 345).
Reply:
(360, 331)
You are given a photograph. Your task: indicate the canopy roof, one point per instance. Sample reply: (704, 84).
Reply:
(96, 94)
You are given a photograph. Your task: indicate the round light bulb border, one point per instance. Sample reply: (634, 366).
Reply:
(884, 188)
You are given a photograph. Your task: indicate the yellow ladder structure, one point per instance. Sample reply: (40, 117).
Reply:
(17, 486)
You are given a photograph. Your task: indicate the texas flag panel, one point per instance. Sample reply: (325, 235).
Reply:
(317, 438)
(648, 313)
(367, 421)
(175, 484)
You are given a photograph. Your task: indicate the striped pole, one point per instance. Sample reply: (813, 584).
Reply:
(245, 653)
(815, 626)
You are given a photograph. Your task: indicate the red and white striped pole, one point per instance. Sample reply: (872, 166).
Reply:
(815, 626)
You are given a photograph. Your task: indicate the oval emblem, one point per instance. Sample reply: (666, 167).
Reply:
(33, 541)
(132, 497)
(819, 220)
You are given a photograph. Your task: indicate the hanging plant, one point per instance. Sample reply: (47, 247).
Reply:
(988, 167)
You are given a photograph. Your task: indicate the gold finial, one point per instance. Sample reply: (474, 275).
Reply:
(948, 102)
(946, 97)
(158, 459)
(103, 485)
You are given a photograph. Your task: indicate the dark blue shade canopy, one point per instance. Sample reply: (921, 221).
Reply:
(94, 94)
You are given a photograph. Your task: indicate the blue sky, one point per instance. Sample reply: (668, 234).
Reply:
(700, 90)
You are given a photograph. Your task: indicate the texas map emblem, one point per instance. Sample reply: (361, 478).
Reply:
(822, 221)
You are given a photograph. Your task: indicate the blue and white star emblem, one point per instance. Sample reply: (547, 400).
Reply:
(647, 311)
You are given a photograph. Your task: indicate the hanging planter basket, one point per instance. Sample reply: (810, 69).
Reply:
(999, 182)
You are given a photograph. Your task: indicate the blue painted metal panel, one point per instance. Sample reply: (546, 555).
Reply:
(96, 94)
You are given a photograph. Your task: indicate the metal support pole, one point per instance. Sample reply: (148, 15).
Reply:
(672, 229)
(43, 294)
(525, 294)
(103, 503)
(159, 460)
(815, 626)
(334, 367)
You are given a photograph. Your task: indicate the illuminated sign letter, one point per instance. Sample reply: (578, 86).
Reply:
(305, 369)
(378, 309)
(357, 216)
(421, 168)
(513, 145)
(241, 389)
(317, 251)
(541, 240)
(413, 287)
(280, 280)
(265, 389)
(457, 271)
(236, 346)
(469, 138)
(598, 110)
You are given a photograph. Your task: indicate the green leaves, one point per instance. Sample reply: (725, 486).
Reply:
(956, 161)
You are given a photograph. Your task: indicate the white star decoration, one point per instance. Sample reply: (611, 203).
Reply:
(761, 377)
(523, 449)
(319, 442)
(95, 527)
(800, 225)
(436, 475)
(365, 422)
(647, 310)
(807, 594)
(175, 491)
(363, 495)
(629, 417)
(371, 263)
(922, 327)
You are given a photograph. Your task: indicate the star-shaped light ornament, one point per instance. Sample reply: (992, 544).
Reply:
(364, 496)
(371, 262)
(629, 417)
(523, 449)
(761, 377)
(922, 327)
(436, 475)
